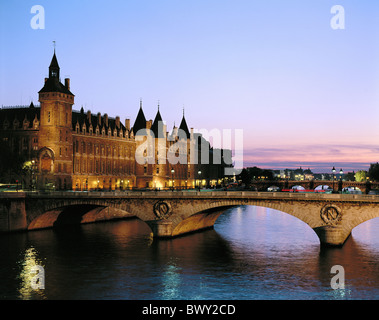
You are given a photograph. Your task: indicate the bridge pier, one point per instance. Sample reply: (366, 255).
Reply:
(13, 216)
(160, 228)
(331, 236)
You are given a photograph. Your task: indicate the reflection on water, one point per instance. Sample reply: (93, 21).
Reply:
(253, 253)
(171, 281)
(28, 264)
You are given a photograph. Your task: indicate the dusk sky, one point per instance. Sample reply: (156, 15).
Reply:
(303, 93)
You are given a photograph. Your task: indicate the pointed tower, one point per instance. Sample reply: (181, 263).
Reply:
(140, 122)
(160, 167)
(183, 126)
(54, 67)
(190, 145)
(55, 135)
(158, 128)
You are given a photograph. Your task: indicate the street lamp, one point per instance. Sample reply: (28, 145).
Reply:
(33, 180)
(334, 171)
(199, 173)
(172, 177)
(340, 187)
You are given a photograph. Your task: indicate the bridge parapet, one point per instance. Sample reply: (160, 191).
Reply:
(197, 194)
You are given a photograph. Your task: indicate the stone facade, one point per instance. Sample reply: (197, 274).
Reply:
(64, 149)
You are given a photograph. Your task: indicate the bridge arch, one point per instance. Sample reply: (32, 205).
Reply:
(204, 216)
(76, 214)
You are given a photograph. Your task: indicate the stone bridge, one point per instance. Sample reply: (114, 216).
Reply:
(170, 214)
(336, 185)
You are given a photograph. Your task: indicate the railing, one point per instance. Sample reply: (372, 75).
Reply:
(19, 107)
(194, 193)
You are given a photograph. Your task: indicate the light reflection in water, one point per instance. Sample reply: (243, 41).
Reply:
(253, 253)
(171, 281)
(27, 264)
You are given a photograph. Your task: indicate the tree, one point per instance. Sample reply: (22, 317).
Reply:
(361, 176)
(10, 163)
(350, 176)
(245, 177)
(373, 172)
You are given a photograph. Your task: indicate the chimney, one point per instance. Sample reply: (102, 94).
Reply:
(99, 118)
(175, 131)
(127, 124)
(67, 83)
(165, 129)
(149, 124)
(118, 122)
(46, 79)
(106, 119)
(89, 116)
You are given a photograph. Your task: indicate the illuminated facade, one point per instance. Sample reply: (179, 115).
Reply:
(66, 149)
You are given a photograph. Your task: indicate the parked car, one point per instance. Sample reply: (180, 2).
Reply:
(10, 188)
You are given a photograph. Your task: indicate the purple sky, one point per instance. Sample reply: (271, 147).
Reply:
(303, 93)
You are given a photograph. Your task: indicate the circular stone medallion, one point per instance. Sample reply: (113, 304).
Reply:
(331, 214)
(162, 210)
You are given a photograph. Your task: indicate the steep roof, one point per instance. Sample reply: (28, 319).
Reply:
(20, 114)
(140, 122)
(93, 119)
(53, 84)
(54, 62)
(183, 126)
(157, 126)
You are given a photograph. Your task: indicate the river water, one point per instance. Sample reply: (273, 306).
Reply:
(252, 253)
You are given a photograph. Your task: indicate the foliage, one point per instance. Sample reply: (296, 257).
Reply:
(249, 174)
(373, 172)
(10, 163)
(361, 176)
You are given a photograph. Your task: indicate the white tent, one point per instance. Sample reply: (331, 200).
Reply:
(322, 187)
(352, 190)
(298, 188)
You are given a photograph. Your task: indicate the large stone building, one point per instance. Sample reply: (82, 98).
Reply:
(65, 149)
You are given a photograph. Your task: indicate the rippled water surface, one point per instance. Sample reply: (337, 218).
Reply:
(252, 253)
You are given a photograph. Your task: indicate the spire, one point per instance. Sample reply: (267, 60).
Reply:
(52, 83)
(54, 66)
(183, 126)
(157, 126)
(140, 122)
